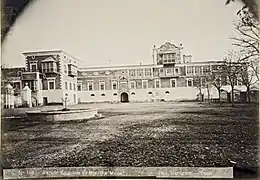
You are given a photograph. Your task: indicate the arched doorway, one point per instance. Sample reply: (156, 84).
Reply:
(124, 97)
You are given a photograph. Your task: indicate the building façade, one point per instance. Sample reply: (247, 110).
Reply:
(53, 74)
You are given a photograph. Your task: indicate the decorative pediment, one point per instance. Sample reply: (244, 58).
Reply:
(122, 78)
(49, 59)
(167, 47)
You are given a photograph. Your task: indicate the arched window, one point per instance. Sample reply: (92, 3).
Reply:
(103, 94)
(132, 93)
(115, 94)
(19, 73)
(92, 95)
(167, 92)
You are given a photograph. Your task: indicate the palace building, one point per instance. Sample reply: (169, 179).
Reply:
(53, 74)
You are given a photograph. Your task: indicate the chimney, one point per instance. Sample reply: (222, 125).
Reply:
(154, 54)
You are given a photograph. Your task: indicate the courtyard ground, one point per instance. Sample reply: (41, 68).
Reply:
(137, 134)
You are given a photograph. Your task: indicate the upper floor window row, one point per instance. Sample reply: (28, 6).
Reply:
(140, 72)
(46, 67)
(49, 67)
(198, 69)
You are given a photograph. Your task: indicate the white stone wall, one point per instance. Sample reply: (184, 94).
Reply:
(85, 96)
(54, 96)
(141, 95)
(175, 94)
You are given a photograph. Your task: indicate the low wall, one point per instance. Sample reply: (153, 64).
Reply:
(55, 116)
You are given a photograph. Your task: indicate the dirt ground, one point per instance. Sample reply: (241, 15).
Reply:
(137, 134)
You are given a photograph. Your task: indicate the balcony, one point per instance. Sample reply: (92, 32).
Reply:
(29, 75)
(49, 67)
(72, 70)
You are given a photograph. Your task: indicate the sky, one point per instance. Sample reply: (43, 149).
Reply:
(121, 32)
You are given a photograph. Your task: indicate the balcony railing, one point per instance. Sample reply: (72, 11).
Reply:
(29, 76)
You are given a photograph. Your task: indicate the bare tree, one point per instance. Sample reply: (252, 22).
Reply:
(247, 40)
(251, 4)
(202, 81)
(231, 70)
(216, 79)
(247, 77)
(208, 86)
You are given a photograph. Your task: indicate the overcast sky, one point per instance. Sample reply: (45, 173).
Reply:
(122, 31)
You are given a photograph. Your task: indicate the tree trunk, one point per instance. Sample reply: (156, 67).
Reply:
(248, 94)
(200, 96)
(208, 93)
(219, 97)
(232, 96)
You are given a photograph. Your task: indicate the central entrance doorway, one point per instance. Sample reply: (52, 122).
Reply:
(45, 101)
(124, 97)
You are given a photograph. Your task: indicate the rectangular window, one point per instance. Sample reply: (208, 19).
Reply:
(132, 84)
(114, 84)
(148, 72)
(90, 85)
(74, 87)
(33, 67)
(65, 69)
(206, 69)
(49, 67)
(66, 85)
(189, 82)
(189, 70)
(170, 58)
(168, 71)
(140, 72)
(70, 86)
(51, 85)
(197, 69)
(132, 73)
(157, 83)
(101, 85)
(166, 57)
(144, 84)
(173, 83)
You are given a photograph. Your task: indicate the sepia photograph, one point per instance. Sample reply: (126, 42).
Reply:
(143, 89)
